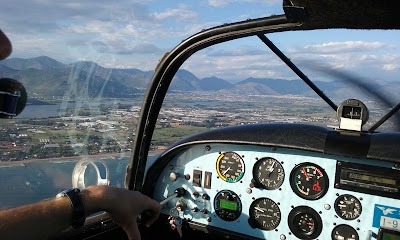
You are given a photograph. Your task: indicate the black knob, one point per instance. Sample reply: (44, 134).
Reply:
(195, 209)
(205, 196)
(196, 194)
(204, 210)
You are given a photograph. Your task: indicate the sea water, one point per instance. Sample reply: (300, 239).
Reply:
(28, 182)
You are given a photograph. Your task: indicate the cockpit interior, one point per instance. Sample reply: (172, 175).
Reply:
(267, 180)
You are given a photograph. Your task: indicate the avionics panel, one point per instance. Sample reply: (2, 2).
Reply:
(277, 193)
(368, 179)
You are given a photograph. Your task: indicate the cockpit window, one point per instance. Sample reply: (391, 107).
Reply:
(243, 82)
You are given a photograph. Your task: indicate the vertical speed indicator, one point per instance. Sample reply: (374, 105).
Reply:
(230, 167)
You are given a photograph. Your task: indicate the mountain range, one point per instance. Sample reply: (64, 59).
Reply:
(44, 77)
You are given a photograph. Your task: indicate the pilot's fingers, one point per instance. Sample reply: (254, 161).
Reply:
(5, 46)
(132, 231)
(155, 209)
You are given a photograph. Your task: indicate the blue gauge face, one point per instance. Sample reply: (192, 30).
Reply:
(227, 205)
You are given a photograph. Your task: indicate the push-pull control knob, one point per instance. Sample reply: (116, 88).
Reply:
(173, 176)
(205, 196)
(204, 210)
(196, 194)
(195, 209)
(181, 205)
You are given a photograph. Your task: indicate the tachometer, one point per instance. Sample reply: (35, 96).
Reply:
(309, 181)
(268, 173)
(264, 214)
(230, 167)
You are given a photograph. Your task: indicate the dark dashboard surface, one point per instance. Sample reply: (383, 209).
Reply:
(279, 185)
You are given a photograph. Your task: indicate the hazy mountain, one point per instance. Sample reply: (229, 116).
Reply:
(40, 63)
(214, 84)
(6, 71)
(43, 76)
(185, 81)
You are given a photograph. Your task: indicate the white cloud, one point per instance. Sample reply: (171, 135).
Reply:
(230, 65)
(221, 3)
(218, 3)
(348, 46)
(178, 14)
(391, 67)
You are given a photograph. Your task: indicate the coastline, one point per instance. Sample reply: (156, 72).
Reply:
(115, 156)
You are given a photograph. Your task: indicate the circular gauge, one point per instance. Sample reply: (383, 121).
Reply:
(344, 232)
(304, 222)
(348, 207)
(309, 181)
(264, 214)
(227, 205)
(230, 167)
(268, 173)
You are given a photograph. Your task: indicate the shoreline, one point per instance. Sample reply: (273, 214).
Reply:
(114, 156)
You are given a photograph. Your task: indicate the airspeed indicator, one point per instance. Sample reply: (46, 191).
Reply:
(230, 167)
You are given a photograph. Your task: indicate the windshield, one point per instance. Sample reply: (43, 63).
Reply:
(244, 82)
(86, 67)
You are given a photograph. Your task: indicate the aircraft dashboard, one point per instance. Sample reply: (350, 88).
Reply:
(269, 192)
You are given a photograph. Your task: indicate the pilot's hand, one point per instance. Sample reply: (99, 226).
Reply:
(124, 206)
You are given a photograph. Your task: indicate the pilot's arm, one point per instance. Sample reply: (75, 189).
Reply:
(44, 219)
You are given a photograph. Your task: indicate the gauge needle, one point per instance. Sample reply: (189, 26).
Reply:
(229, 168)
(271, 168)
(259, 209)
(305, 173)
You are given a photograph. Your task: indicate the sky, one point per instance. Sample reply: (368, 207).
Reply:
(137, 33)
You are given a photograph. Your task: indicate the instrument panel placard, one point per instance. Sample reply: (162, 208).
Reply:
(387, 217)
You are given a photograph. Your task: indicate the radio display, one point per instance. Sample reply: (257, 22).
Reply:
(374, 180)
(227, 205)
(371, 179)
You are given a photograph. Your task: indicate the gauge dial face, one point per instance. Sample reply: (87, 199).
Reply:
(227, 205)
(264, 214)
(268, 173)
(348, 207)
(304, 222)
(344, 232)
(309, 181)
(230, 167)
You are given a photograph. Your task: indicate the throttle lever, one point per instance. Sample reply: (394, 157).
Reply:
(147, 214)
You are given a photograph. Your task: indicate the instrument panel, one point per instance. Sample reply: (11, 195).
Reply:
(277, 193)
